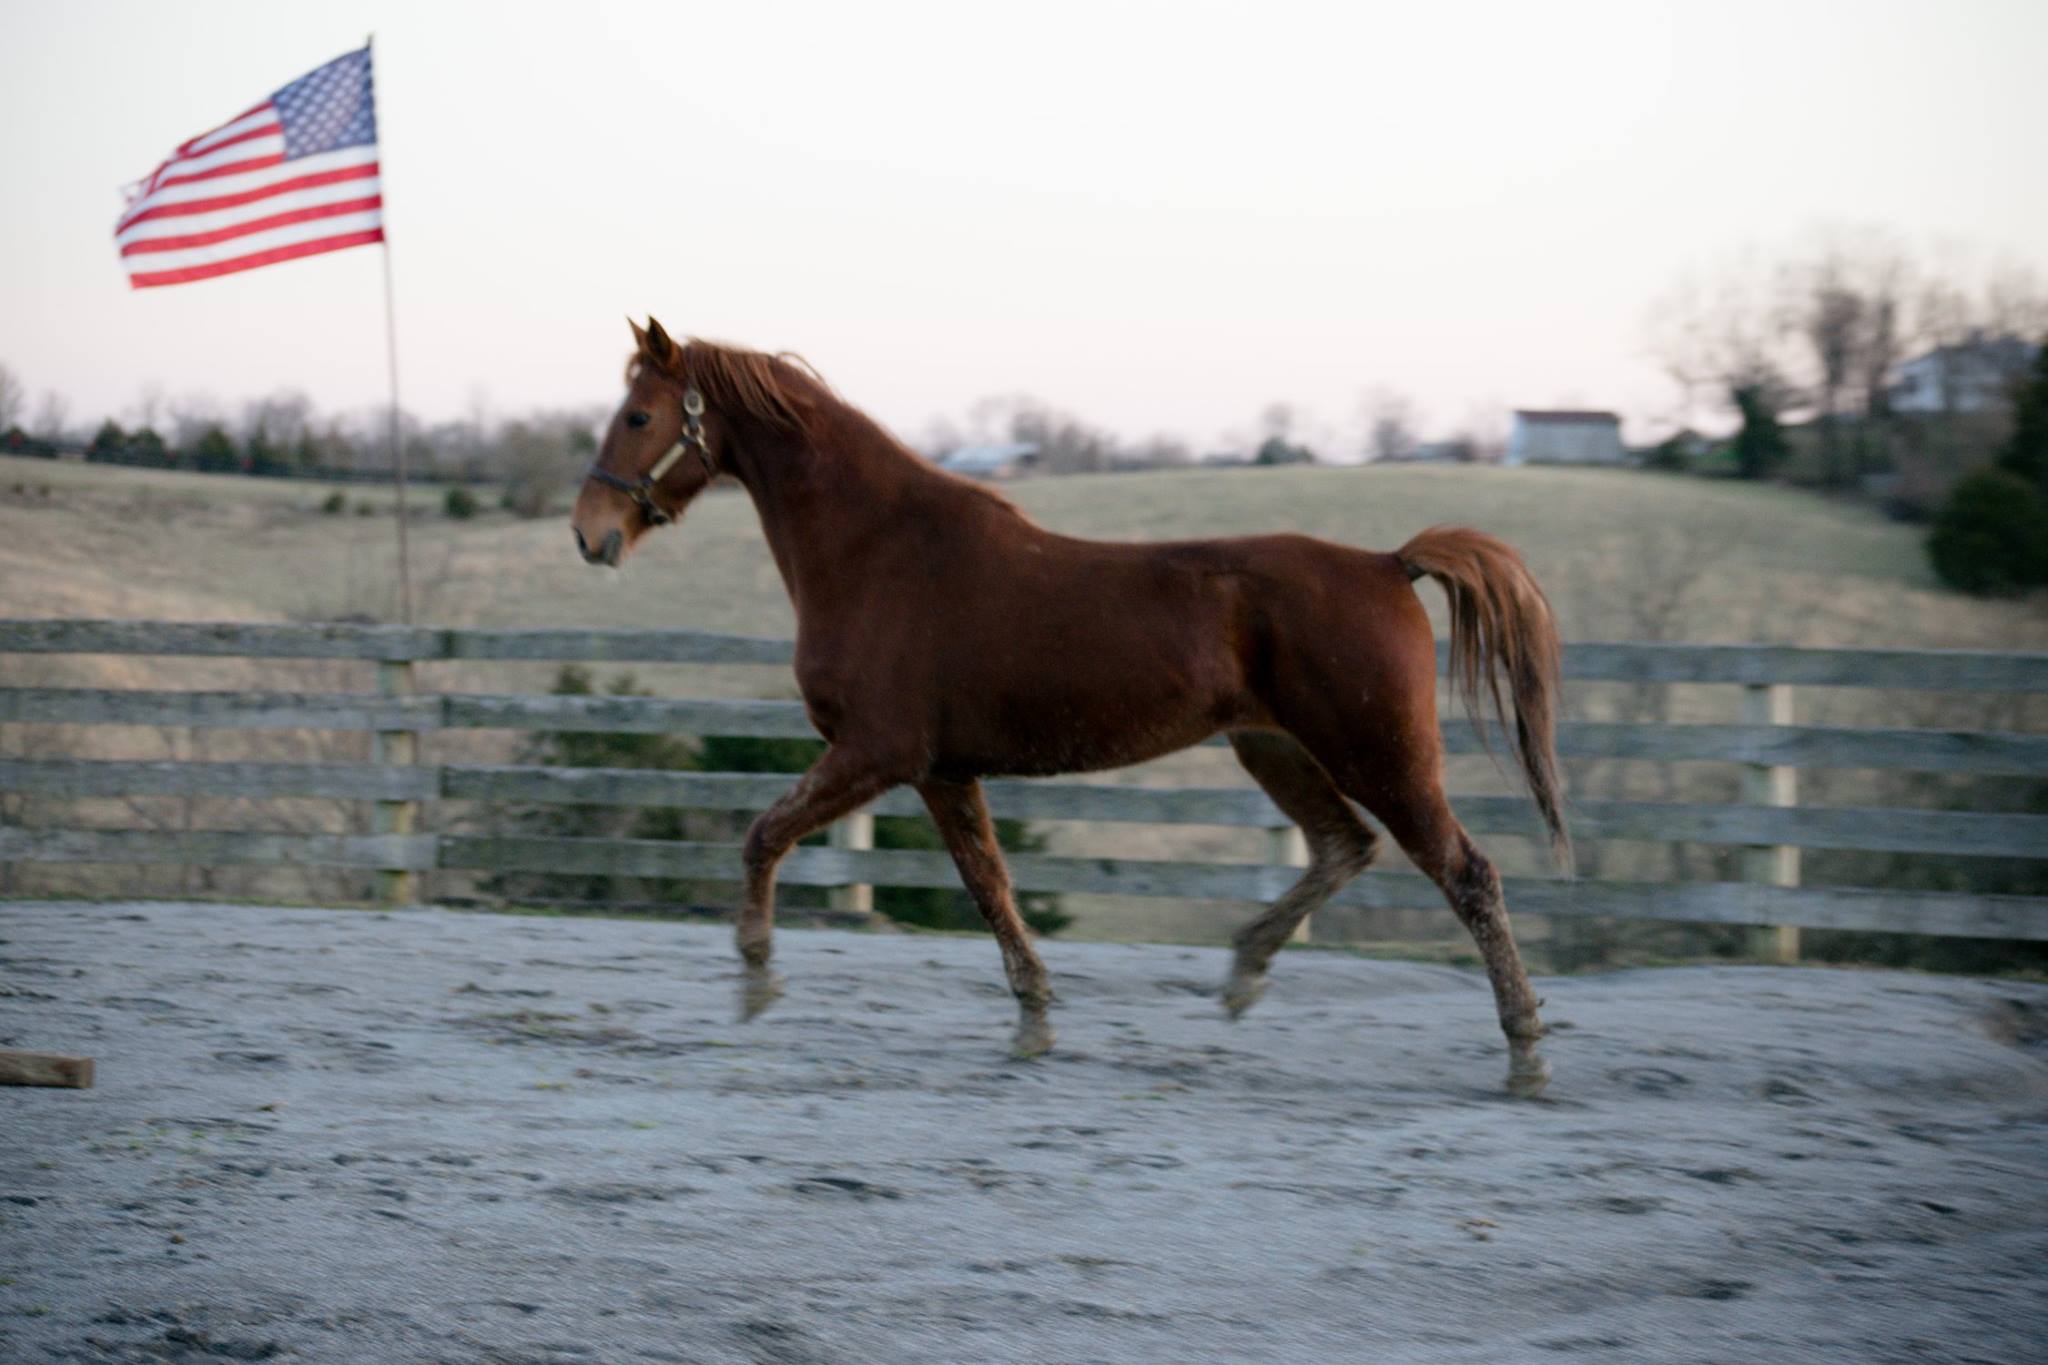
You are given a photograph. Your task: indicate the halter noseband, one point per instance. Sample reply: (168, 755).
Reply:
(642, 493)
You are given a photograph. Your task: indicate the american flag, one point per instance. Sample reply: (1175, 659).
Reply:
(295, 176)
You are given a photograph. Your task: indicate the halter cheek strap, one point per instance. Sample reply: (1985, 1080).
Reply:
(642, 493)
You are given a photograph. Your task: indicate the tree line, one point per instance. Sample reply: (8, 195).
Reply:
(283, 435)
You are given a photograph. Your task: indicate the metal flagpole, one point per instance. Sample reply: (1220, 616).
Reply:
(391, 354)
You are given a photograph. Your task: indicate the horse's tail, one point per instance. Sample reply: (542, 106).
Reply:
(1501, 623)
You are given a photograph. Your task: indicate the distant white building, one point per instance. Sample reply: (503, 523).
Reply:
(992, 461)
(1970, 376)
(1564, 437)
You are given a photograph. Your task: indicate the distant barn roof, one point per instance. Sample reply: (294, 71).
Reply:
(1565, 415)
(982, 459)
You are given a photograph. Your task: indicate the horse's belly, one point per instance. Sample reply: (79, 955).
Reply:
(1041, 735)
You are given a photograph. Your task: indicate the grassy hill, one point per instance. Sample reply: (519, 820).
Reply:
(1623, 554)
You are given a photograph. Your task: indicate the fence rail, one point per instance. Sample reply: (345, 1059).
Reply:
(1960, 670)
(397, 714)
(1795, 746)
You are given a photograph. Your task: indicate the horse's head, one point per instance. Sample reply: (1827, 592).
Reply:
(661, 450)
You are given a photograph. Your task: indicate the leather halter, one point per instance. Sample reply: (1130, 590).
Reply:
(642, 493)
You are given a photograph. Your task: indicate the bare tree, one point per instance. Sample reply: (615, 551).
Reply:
(2015, 304)
(52, 410)
(1390, 426)
(1830, 318)
(938, 438)
(1157, 452)
(1848, 301)
(1723, 334)
(1276, 422)
(148, 408)
(280, 419)
(540, 456)
(1485, 430)
(192, 416)
(12, 397)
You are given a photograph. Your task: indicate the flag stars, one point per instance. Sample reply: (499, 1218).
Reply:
(328, 108)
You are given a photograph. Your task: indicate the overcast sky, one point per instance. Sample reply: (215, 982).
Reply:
(1160, 217)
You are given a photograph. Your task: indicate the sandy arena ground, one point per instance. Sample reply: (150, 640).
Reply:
(351, 1136)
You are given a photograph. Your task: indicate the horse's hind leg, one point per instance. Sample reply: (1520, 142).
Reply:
(1340, 846)
(1416, 813)
(961, 814)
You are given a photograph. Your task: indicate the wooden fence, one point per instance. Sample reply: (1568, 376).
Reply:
(1767, 823)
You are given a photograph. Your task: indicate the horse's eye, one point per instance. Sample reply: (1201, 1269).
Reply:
(636, 419)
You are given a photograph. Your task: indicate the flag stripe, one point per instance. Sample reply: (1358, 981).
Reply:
(228, 129)
(254, 163)
(156, 245)
(252, 243)
(263, 115)
(292, 181)
(151, 279)
(188, 224)
(260, 142)
(246, 180)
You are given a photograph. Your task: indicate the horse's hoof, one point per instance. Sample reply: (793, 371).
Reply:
(1242, 991)
(759, 988)
(1034, 1038)
(1527, 1076)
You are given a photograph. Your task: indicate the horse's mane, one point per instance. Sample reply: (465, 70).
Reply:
(771, 388)
(780, 388)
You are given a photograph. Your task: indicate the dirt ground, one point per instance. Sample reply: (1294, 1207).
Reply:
(355, 1136)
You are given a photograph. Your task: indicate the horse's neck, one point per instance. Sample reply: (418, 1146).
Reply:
(826, 504)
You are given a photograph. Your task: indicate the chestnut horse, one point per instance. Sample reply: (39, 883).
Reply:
(943, 637)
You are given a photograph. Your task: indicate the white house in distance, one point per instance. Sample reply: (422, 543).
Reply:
(992, 461)
(1564, 437)
(1971, 376)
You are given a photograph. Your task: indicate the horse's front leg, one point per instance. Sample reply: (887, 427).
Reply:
(961, 814)
(840, 782)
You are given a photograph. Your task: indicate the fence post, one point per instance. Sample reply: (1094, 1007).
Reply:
(396, 885)
(1287, 846)
(856, 831)
(1765, 784)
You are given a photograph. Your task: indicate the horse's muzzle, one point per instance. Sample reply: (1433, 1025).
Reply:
(607, 552)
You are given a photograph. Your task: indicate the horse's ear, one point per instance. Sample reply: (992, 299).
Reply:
(639, 334)
(658, 345)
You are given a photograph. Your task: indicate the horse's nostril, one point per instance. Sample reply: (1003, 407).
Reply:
(607, 552)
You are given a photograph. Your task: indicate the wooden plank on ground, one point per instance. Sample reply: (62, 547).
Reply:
(45, 1068)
